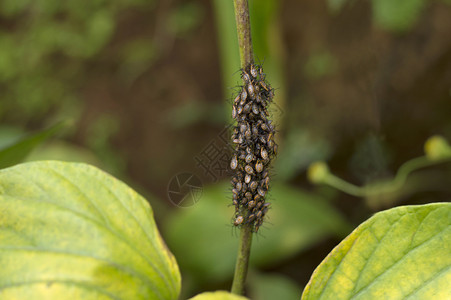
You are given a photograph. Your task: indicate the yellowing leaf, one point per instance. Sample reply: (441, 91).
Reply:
(401, 253)
(71, 231)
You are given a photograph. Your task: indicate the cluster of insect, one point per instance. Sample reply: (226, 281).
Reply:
(254, 147)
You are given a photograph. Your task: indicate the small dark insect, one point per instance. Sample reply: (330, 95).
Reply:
(238, 220)
(234, 163)
(271, 144)
(259, 214)
(235, 203)
(248, 195)
(258, 98)
(254, 71)
(257, 197)
(262, 75)
(239, 110)
(254, 129)
(237, 99)
(250, 218)
(235, 191)
(270, 136)
(263, 85)
(251, 204)
(234, 112)
(261, 192)
(239, 140)
(247, 108)
(258, 224)
(248, 169)
(253, 185)
(246, 77)
(259, 167)
(266, 182)
(250, 89)
(249, 158)
(238, 186)
(264, 154)
(243, 127)
(248, 134)
(255, 108)
(264, 127)
(247, 178)
(259, 204)
(243, 96)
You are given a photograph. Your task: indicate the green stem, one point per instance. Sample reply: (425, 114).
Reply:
(242, 262)
(243, 28)
(378, 188)
(247, 57)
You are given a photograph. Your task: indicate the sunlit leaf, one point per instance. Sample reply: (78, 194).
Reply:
(401, 253)
(71, 231)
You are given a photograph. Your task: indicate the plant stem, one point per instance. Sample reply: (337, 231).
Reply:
(243, 28)
(374, 189)
(247, 57)
(242, 261)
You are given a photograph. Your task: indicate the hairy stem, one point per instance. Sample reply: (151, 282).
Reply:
(242, 262)
(247, 58)
(243, 28)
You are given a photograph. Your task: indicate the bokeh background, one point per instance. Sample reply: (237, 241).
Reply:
(146, 87)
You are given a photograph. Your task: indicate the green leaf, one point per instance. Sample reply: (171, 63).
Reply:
(205, 241)
(401, 253)
(397, 15)
(17, 152)
(71, 231)
(219, 295)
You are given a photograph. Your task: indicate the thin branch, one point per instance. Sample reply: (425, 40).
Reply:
(243, 28)
(247, 58)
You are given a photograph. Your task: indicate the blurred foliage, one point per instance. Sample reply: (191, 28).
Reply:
(272, 286)
(301, 148)
(397, 16)
(45, 47)
(98, 139)
(16, 148)
(202, 237)
(185, 18)
(320, 64)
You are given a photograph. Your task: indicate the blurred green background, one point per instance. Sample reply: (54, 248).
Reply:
(146, 88)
